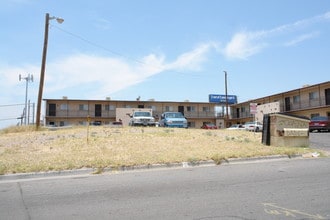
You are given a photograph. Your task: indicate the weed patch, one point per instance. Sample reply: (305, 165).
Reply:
(27, 150)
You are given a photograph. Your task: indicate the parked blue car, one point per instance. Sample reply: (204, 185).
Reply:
(173, 120)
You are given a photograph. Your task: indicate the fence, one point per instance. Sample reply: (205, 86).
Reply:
(15, 114)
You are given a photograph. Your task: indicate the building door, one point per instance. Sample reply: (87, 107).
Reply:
(287, 104)
(181, 109)
(98, 110)
(237, 112)
(327, 96)
(52, 110)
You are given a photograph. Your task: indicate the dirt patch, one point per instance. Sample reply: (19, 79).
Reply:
(100, 147)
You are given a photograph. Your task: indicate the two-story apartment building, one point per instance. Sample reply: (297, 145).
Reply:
(308, 101)
(62, 112)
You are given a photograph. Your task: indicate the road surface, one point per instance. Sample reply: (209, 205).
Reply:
(284, 189)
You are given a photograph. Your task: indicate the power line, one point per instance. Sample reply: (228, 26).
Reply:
(94, 44)
(9, 110)
(8, 119)
(117, 53)
(11, 105)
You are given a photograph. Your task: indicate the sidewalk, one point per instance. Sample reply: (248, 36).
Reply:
(97, 171)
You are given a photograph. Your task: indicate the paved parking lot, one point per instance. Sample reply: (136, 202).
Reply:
(320, 140)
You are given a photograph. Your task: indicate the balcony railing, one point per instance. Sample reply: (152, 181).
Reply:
(112, 114)
(81, 114)
(293, 106)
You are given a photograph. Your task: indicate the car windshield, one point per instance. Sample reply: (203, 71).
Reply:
(253, 123)
(145, 114)
(174, 115)
(320, 118)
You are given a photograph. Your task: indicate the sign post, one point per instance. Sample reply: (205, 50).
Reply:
(224, 100)
(253, 108)
(253, 111)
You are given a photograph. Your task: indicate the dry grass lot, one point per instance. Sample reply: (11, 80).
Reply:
(22, 149)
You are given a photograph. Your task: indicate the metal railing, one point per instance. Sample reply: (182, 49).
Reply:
(293, 106)
(112, 114)
(80, 114)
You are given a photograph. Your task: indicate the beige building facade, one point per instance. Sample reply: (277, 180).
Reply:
(308, 101)
(64, 112)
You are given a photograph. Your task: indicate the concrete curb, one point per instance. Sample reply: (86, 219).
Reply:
(96, 171)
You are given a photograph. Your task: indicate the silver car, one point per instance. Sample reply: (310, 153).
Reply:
(236, 127)
(253, 126)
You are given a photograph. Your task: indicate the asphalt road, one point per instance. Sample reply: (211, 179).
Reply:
(320, 140)
(283, 189)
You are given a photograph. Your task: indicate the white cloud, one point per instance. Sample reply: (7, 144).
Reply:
(301, 38)
(99, 76)
(192, 60)
(245, 44)
(102, 24)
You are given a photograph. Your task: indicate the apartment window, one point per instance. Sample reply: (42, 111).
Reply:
(109, 107)
(83, 107)
(315, 115)
(296, 99)
(206, 109)
(242, 109)
(191, 108)
(64, 107)
(169, 108)
(152, 107)
(313, 95)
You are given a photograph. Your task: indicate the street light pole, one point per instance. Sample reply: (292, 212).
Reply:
(227, 116)
(43, 66)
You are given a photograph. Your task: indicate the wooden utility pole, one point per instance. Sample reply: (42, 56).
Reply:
(42, 73)
(43, 65)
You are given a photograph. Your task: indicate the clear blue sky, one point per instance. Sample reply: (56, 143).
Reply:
(167, 50)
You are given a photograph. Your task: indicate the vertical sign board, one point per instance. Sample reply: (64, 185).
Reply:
(253, 108)
(265, 138)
